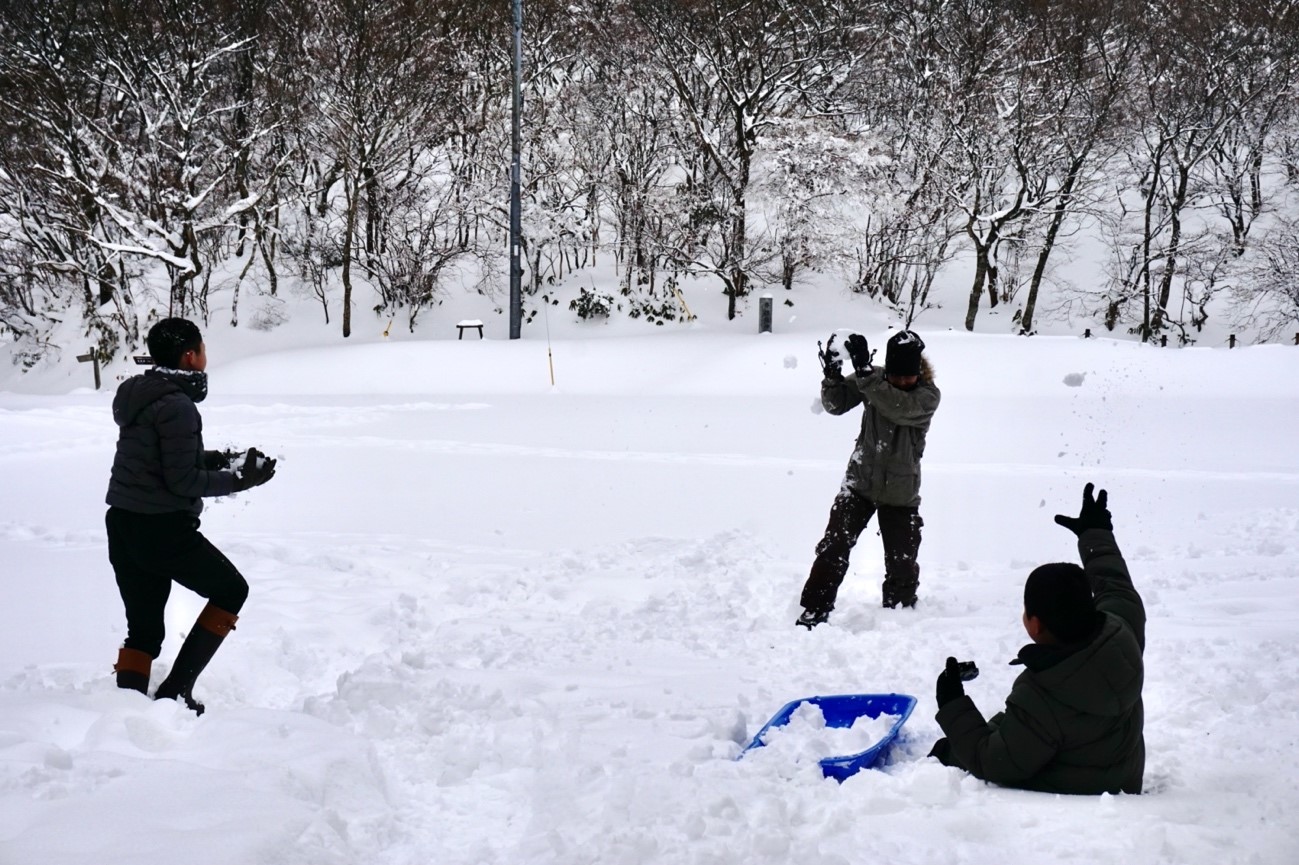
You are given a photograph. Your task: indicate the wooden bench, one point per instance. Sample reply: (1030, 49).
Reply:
(469, 324)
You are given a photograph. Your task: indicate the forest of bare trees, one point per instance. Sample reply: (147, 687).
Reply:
(357, 151)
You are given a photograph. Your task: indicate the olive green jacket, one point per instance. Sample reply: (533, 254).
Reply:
(885, 465)
(1074, 719)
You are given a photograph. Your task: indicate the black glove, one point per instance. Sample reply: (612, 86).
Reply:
(255, 471)
(1094, 514)
(831, 366)
(949, 685)
(859, 351)
(215, 461)
(943, 751)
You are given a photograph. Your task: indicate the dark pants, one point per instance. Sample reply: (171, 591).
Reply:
(849, 515)
(148, 552)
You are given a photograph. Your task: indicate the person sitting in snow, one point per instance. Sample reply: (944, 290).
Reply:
(884, 471)
(1074, 720)
(159, 478)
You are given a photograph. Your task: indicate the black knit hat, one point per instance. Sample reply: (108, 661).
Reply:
(1059, 595)
(171, 338)
(903, 354)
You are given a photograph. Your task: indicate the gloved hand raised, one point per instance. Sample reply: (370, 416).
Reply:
(949, 687)
(831, 366)
(1094, 514)
(859, 350)
(256, 470)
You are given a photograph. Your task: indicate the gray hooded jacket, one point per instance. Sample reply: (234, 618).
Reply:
(160, 465)
(885, 465)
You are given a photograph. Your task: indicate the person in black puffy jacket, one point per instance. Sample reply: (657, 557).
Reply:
(160, 476)
(1074, 721)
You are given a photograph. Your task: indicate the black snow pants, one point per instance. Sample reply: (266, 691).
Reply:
(849, 516)
(148, 552)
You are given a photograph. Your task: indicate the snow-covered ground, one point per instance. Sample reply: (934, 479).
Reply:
(496, 621)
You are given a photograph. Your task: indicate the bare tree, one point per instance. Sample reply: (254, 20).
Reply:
(1268, 298)
(1198, 68)
(379, 90)
(736, 66)
(1089, 46)
(52, 107)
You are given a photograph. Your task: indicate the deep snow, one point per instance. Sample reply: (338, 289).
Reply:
(493, 621)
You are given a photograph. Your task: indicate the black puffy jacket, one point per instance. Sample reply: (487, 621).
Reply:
(1074, 719)
(160, 465)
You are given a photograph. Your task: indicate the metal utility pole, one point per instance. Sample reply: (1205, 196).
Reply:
(516, 263)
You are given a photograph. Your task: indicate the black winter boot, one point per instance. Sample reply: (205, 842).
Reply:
(811, 618)
(894, 599)
(210, 629)
(132, 669)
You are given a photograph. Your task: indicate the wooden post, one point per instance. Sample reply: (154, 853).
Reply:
(93, 357)
(1087, 334)
(1163, 340)
(1231, 341)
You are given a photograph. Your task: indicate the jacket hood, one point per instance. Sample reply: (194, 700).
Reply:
(1103, 677)
(141, 391)
(926, 371)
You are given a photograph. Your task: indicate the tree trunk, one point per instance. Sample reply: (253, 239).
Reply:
(1143, 275)
(348, 233)
(976, 291)
(1174, 247)
(980, 275)
(737, 285)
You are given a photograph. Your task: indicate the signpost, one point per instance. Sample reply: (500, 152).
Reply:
(91, 356)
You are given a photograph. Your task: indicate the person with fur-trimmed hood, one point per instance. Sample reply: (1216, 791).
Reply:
(160, 475)
(884, 472)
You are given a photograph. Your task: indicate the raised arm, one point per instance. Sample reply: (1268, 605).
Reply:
(840, 395)
(1111, 583)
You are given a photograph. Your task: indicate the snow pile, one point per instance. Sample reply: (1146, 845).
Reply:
(806, 738)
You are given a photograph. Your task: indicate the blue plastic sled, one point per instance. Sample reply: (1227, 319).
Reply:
(841, 710)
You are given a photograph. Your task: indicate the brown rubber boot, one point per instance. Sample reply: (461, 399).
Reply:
(132, 669)
(211, 627)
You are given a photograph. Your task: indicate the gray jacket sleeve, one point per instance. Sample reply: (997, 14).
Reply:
(840, 395)
(1111, 584)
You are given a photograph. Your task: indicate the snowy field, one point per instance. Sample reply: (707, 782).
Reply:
(496, 621)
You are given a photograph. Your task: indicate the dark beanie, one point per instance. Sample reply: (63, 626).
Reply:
(171, 338)
(903, 354)
(1059, 595)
